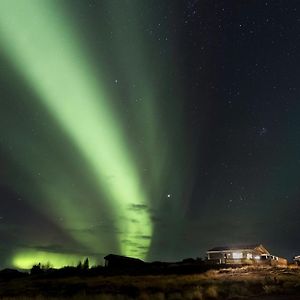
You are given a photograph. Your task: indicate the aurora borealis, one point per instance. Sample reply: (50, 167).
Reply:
(70, 94)
(148, 129)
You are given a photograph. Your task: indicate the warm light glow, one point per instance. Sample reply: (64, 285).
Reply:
(237, 255)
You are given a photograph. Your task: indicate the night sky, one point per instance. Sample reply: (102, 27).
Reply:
(148, 128)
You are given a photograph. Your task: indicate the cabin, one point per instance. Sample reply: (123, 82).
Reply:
(243, 255)
(119, 261)
(236, 254)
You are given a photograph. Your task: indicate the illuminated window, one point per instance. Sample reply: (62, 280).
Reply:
(237, 255)
(249, 256)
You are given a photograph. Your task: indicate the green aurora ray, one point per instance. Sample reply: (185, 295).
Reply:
(39, 41)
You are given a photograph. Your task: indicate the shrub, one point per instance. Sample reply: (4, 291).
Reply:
(211, 292)
(174, 296)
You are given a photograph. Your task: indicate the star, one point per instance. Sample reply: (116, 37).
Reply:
(262, 131)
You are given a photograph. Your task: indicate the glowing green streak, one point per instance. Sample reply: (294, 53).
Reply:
(131, 58)
(28, 258)
(45, 51)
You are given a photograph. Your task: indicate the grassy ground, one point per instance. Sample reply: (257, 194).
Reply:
(242, 283)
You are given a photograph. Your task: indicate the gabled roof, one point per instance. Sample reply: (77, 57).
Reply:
(237, 247)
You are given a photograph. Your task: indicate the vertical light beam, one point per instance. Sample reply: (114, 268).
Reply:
(38, 39)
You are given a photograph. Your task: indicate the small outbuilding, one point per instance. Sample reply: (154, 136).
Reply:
(119, 261)
(297, 260)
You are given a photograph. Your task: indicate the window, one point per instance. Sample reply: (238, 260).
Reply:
(237, 255)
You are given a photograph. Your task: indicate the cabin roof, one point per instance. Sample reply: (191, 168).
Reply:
(235, 247)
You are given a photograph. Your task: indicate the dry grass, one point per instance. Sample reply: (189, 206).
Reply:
(223, 284)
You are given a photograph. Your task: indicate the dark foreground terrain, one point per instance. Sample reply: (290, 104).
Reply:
(242, 283)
